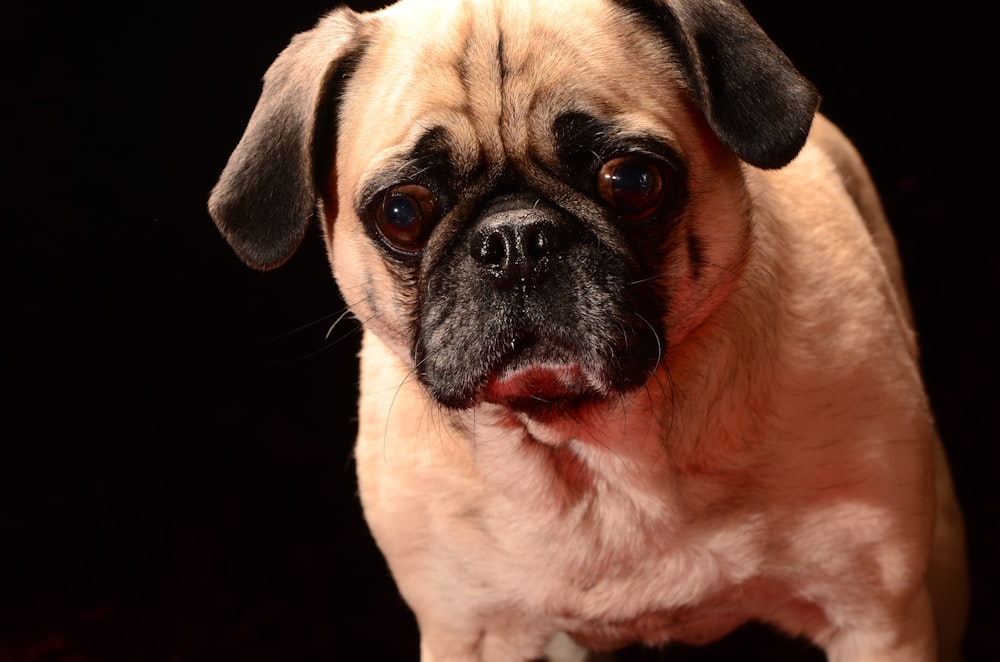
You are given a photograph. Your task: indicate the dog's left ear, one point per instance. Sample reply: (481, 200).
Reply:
(267, 193)
(755, 100)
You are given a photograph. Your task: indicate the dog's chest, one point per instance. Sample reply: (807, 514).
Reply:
(618, 576)
(619, 580)
(699, 623)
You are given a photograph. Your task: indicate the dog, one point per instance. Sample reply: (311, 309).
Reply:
(637, 365)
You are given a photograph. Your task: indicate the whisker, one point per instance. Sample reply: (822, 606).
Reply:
(410, 374)
(324, 348)
(329, 332)
(327, 343)
(729, 270)
(656, 336)
(308, 325)
(648, 279)
(671, 392)
(702, 263)
(357, 329)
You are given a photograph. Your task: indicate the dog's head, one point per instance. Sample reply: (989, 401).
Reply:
(530, 201)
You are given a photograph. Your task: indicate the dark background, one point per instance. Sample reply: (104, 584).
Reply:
(175, 473)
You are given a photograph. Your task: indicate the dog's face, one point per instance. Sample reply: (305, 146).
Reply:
(531, 203)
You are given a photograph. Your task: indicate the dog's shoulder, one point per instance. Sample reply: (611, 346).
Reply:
(850, 167)
(857, 181)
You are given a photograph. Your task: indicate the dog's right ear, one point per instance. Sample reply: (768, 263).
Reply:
(267, 193)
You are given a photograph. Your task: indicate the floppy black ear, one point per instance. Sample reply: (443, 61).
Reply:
(267, 193)
(755, 100)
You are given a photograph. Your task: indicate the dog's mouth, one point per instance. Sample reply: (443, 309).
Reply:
(542, 377)
(542, 391)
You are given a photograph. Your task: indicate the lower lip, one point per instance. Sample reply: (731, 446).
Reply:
(540, 389)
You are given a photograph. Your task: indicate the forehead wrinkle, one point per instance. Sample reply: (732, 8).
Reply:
(592, 54)
(548, 69)
(515, 67)
(482, 72)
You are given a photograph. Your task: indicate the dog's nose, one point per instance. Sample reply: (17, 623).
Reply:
(517, 251)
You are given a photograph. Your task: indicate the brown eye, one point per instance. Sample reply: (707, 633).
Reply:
(634, 185)
(404, 215)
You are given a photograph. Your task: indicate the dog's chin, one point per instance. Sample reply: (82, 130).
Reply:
(544, 392)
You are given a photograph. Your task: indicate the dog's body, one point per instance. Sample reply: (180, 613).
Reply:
(624, 376)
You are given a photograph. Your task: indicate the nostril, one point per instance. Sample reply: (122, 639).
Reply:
(539, 240)
(492, 248)
(517, 251)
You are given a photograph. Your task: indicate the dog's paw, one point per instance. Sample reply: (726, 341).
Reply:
(562, 648)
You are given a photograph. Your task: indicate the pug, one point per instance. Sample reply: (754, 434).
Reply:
(638, 364)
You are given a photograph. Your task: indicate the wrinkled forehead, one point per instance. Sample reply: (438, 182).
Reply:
(496, 76)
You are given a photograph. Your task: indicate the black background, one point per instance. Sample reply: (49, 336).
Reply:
(175, 472)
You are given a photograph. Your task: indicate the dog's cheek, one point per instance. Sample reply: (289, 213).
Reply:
(456, 335)
(713, 240)
(366, 284)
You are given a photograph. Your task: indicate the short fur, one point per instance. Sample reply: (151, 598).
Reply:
(583, 429)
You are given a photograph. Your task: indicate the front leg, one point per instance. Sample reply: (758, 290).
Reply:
(498, 637)
(492, 646)
(904, 633)
(562, 648)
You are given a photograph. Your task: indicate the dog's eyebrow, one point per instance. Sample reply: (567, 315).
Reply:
(430, 152)
(430, 161)
(433, 146)
(583, 141)
(577, 133)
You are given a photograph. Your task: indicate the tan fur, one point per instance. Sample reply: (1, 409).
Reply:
(781, 464)
(814, 489)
